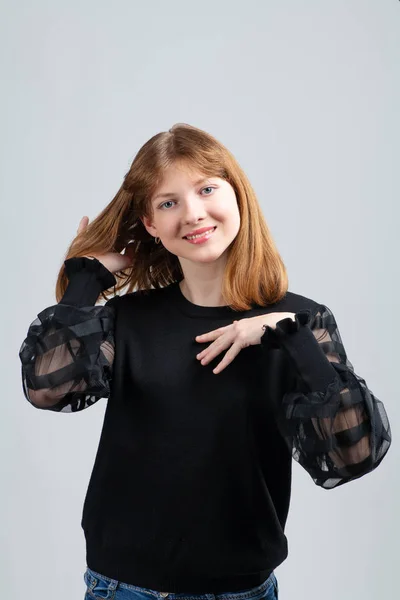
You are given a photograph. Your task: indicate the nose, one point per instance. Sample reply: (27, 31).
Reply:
(194, 211)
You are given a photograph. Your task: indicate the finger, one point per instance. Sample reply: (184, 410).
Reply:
(214, 349)
(84, 222)
(228, 358)
(210, 336)
(130, 251)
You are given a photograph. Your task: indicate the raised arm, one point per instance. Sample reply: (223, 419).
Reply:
(68, 354)
(335, 426)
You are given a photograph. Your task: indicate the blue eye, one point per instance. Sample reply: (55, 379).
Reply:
(163, 205)
(209, 187)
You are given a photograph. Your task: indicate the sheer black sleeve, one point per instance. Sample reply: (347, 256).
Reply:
(334, 425)
(68, 354)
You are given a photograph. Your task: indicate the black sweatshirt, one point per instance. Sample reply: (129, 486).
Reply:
(191, 484)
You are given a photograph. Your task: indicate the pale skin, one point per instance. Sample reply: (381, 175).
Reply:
(185, 201)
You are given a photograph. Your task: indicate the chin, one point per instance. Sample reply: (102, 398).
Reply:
(203, 258)
(198, 254)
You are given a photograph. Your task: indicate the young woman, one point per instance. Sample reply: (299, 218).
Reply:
(216, 376)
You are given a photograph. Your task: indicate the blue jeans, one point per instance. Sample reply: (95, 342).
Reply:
(100, 587)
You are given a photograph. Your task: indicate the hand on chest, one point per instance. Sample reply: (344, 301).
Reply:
(166, 366)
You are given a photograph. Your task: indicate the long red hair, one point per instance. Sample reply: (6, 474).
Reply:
(255, 273)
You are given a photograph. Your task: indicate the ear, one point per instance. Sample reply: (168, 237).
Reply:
(149, 226)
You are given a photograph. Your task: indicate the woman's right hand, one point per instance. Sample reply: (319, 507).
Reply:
(113, 261)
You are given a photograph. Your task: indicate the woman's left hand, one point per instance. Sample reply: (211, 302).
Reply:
(238, 335)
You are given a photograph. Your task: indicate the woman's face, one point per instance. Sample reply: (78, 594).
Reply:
(187, 201)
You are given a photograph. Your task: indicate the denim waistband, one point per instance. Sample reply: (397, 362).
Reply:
(93, 578)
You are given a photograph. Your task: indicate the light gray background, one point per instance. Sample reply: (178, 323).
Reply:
(306, 95)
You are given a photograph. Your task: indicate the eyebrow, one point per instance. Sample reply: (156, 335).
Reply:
(167, 194)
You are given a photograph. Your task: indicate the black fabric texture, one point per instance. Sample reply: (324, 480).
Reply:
(191, 485)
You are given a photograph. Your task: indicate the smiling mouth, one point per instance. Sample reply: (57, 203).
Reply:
(200, 235)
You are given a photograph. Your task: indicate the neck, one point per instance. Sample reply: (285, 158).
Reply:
(202, 284)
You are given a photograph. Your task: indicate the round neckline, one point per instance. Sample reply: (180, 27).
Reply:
(196, 310)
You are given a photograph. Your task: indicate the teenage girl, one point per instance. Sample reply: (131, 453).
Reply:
(215, 375)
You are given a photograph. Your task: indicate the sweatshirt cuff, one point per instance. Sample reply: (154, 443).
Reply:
(87, 279)
(303, 350)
